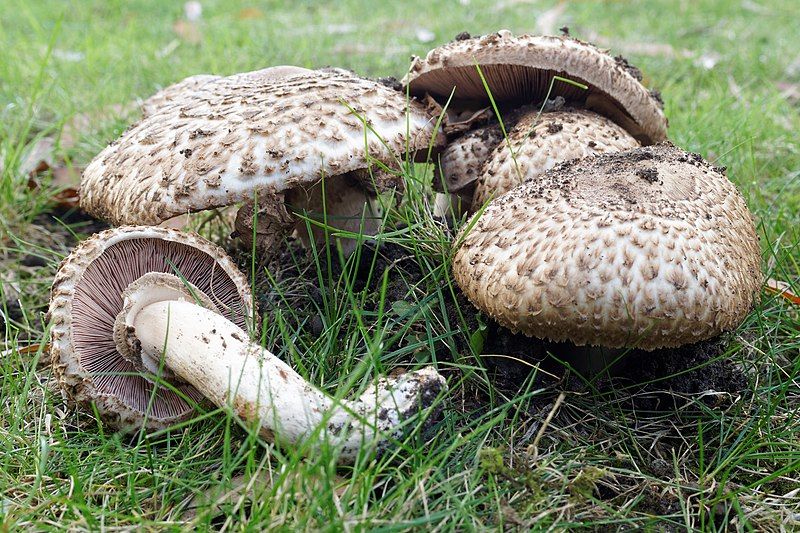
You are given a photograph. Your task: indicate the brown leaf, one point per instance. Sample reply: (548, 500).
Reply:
(781, 288)
(39, 158)
(66, 182)
(188, 31)
(790, 91)
(249, 13)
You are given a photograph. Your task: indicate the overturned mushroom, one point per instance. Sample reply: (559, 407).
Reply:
(647, 248)
(543, 71)
(146, 322)
(284, 138)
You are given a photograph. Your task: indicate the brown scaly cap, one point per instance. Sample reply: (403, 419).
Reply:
(647, 248)
(461, 162)
(87, 296)
(540, 141)
(178, 93)
(229, 137)
(519, 70)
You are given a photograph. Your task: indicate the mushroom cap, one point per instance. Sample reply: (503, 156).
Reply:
(519, 70)
(217, 144)
(177, 92)
(461, 161)
(87, 296)
(648, 248)
(539, 141)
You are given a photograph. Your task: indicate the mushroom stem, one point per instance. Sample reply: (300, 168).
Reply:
(335, 203)
(217, 358)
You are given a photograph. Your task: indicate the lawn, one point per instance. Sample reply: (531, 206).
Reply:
(709, 441)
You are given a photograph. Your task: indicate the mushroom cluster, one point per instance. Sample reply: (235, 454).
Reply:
(587, 226)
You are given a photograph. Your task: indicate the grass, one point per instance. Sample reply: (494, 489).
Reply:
(591, 458)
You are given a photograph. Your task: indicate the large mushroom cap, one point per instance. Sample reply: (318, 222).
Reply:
(540, 140)
(519, 70)
(231, 136)
(647, 248)
(87, 296)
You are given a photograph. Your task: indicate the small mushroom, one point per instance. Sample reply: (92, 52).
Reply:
(540, 140)
(460, 165)
(648, 248)
(261, 136)
(147, 321)
(530, 70)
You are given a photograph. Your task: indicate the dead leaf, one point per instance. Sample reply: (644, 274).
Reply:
(790, 91)
(188, 31)
(39, 158)
(781, 288)
(193, 10)
(547, 22)
(249, 13)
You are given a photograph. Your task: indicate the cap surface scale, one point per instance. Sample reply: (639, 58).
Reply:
(541, 140)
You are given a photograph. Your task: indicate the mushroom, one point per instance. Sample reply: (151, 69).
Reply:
(460, 165)
(147, 321)
(268, 137)
(540, 140)
(530, 70)
(648, 248)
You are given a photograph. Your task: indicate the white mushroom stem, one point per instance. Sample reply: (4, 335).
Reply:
(216, 357)
(335, 204)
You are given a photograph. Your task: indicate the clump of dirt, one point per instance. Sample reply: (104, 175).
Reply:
(654, 381)
(650, 175)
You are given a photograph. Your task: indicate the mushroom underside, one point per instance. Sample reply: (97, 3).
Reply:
(514, 86)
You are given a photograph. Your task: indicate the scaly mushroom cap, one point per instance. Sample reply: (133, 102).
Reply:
(231, 136)
(540, 141)
(647, 248)
(178, 92)
(461, 162)
(519, 70)
(175, 92)
(87, 296)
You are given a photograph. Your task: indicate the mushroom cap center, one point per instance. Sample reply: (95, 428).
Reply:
(151, 288)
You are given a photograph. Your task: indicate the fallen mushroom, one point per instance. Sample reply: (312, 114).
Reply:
(146, 322)
(534, 70)
(540, 140)
(284, 137)
(648, 248)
